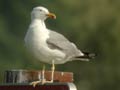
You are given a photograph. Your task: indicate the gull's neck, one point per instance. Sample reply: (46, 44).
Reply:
(38, 22)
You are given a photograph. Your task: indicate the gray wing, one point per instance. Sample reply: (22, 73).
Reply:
(58, 41)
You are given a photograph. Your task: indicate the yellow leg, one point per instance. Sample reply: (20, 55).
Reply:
(43, 80)
(53, 70)
(52, 73)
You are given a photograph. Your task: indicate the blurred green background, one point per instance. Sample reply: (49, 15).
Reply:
(93, 25)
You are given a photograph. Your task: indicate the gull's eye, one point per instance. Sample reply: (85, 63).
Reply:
(40, 10)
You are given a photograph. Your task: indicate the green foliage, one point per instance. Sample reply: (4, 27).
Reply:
(93, 25)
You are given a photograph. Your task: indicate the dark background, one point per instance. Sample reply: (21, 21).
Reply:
(93, 25)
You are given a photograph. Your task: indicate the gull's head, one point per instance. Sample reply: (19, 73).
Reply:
(41, 13)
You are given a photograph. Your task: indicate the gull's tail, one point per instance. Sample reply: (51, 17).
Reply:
(87, 56)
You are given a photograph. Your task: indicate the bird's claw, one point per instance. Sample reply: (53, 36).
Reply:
(40, 82)
(34, 83)
(43, 81)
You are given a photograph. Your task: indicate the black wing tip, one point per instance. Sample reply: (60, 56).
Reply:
(88, 55)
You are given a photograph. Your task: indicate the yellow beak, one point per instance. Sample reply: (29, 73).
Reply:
(51, 15)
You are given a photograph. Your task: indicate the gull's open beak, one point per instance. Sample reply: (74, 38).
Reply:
(51, 15)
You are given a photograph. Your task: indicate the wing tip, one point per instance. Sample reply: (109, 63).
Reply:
(87, 56)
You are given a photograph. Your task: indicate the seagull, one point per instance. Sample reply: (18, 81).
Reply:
(49, 46)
